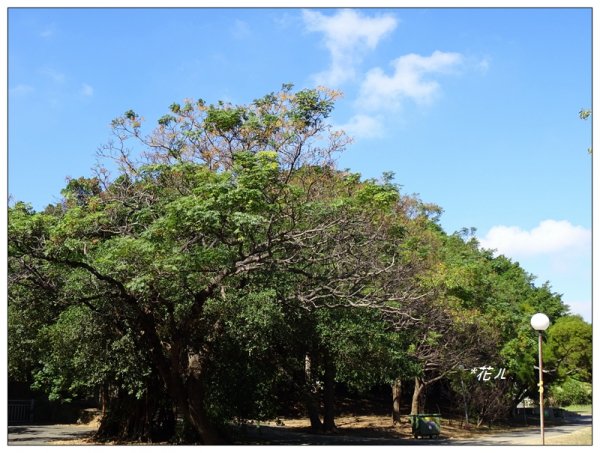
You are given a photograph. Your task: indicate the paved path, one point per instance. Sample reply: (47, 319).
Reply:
(45, 434)
(531, 435)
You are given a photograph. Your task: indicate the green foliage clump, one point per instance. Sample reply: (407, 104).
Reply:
(571, 392)
(569, 348)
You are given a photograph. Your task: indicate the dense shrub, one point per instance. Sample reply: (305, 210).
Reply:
(571, 392)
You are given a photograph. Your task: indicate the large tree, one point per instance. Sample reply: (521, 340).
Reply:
(216, 204)
(481, 317)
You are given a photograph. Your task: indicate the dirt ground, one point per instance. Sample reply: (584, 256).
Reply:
(382, 426)
(371, 426)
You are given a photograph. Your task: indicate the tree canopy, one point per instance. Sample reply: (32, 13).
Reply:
(228, 240)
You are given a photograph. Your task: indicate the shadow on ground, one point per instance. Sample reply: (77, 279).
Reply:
(44, 434)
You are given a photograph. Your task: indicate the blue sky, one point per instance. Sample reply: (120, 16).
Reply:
(475, 110)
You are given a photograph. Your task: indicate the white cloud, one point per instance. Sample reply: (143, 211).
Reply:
(555, 251)
(550, 237)
(86, 90)
(363, 126)
(348, 35)
(382, 91)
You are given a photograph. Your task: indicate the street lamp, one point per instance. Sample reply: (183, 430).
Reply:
(540, 322)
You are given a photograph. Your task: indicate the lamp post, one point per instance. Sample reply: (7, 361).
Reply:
(540, 322)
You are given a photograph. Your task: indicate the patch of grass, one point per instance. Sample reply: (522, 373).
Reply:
(580, 408)
(579, 437)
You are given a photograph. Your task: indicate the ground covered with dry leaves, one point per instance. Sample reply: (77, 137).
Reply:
(371, 426)
(381, 426)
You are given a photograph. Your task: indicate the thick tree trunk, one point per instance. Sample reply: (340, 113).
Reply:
(104, 398)
(124, 420)
(196, 414)
(190, 406)
(150, 419)
(183, 382)
(188, 395)
(396, 398)
(311, 395)
(329, 395)
(419, 386)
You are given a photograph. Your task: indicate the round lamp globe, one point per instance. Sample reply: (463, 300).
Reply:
(540, 321)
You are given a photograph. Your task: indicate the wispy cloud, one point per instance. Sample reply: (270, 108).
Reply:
(240, 29)
(347, 36)
(86, 90)
(548, 238)
(483, 65)
(54, 75)
(407, 81)
(48, 31)
(21, 89)
(363, 126)
(284, 20)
